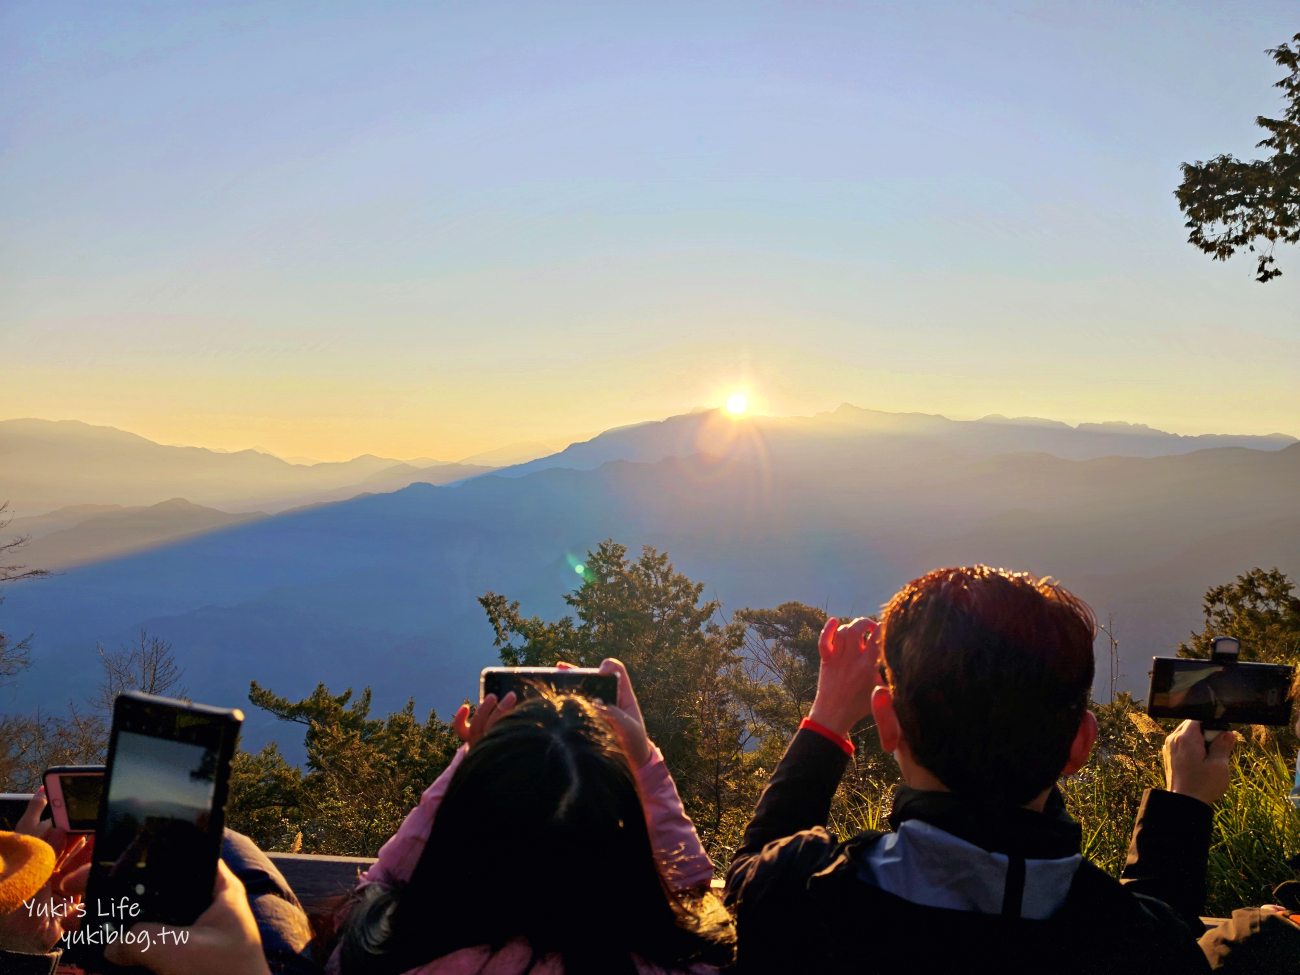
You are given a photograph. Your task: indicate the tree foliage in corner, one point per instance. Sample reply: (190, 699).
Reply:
(1231, 204)
(1260, 609)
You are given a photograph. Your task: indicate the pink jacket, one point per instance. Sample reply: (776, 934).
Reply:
(678, 852)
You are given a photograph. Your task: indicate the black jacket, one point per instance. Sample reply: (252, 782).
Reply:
(805, 902)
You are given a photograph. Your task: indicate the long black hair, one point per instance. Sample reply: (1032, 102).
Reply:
(541, 836)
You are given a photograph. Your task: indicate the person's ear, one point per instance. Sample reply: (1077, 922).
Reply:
(1081, 747)
(887, 727)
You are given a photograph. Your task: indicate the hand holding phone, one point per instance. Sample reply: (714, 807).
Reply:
(625, 715)
(224, 939)
(74, 793)
(1193, 768)
(160, 825)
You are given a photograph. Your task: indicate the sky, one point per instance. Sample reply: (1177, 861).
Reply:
(431, 229)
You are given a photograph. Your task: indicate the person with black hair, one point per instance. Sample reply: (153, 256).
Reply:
(534, 852)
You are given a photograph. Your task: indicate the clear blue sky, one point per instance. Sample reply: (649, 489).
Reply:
(435, 228)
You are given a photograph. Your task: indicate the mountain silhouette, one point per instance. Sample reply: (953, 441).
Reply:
(51, 464)
(836, 511)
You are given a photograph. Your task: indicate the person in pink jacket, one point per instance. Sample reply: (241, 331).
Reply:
(554, 844)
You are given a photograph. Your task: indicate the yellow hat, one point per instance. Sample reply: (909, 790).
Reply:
(25, 864)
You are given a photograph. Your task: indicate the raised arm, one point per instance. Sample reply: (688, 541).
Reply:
(798, 796)
(1171, 836)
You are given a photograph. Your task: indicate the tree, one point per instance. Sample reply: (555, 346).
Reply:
(31, 743)
(148, 666)
(1231, 204)
(266, 800)
(682, 658)
(781, 648)
(363, 774)
(14, 654)
(1260, 609)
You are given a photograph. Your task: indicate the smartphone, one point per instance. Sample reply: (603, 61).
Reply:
(160, 823)
(12, 807)
(584, 681)
(73, 792)
(1219, 692)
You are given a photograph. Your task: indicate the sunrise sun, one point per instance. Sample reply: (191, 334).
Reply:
(737, 403)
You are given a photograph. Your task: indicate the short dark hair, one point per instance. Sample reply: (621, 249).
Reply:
(542, 836)
(990, 672)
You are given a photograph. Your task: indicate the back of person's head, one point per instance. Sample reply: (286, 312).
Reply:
(990, 672)
(541, 836)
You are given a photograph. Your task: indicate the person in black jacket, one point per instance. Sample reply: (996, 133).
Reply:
(978, 680)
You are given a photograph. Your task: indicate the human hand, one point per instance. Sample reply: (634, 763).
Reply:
(488, 713)
(224, 939)
(38, 929)
(1191, 770)
(850, 658)
(71, 850)
(625, 716)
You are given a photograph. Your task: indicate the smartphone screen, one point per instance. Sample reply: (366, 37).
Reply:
(157, 824)
(524, 681)
(81, 795)
(1204, 690)
(159, 834)
(74, 793)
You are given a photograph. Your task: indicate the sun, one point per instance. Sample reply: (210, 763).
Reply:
(737, 403)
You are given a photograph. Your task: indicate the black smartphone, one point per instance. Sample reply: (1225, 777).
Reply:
(160, 824)
(73, 792)
(584, 681)
(1219, 692)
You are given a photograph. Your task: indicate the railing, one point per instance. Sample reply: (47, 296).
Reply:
(319, 880)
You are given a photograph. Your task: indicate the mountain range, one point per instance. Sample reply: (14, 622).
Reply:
(50, 464)
(836, 510)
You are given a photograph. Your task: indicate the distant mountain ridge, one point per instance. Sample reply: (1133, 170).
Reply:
(836, 510)
(50, 464)
(707, 430)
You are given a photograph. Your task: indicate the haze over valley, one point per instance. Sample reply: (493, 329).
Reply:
(836, 510)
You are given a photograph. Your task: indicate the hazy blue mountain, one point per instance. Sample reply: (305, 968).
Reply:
(46, 465)
(82, 534)
(381, 589)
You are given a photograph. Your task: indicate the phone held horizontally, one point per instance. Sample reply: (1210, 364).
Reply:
(160, 824)
(1220, 691)
(524, 681)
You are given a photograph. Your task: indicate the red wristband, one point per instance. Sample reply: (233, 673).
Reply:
(845, 744)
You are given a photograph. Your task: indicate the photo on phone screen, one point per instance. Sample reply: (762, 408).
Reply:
(1230, 693)
(159, 812)
(584, 681)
